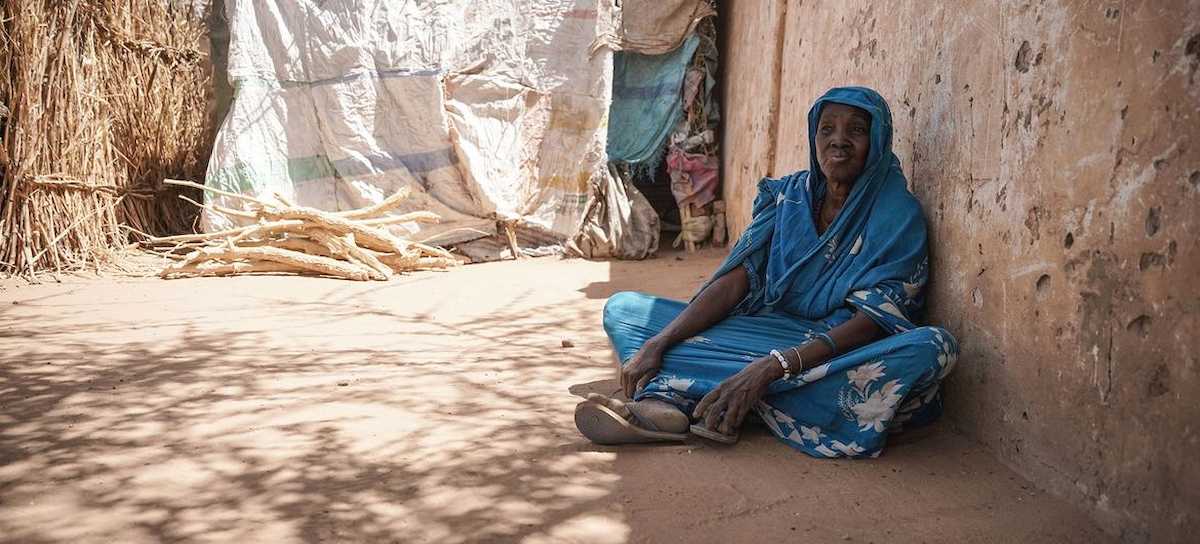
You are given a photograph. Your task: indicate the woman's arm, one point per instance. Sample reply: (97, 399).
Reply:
(724, 408)
(710, 307)
(858, 331)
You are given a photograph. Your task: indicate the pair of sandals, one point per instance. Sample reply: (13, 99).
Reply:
(610, 421)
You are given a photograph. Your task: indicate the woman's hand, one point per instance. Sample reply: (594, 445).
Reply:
(724, 408)
(642, 367)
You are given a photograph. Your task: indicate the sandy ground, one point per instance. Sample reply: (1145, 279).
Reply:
(433, 408)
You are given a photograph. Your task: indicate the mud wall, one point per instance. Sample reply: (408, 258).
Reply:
(1054, 145)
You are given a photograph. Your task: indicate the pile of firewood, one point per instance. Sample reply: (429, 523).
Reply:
(285, 238)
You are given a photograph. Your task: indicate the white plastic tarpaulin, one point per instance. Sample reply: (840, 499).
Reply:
(486, 109)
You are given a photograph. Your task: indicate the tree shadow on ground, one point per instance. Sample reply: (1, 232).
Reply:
(435, 408)
(285, 430)
(672, 273)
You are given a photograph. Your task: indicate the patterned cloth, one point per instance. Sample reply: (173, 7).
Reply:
(872, 259)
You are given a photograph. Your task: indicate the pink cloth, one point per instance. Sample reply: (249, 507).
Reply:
(693, 177)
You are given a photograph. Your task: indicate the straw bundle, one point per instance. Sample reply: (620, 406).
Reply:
(294, 239)
(106, 98)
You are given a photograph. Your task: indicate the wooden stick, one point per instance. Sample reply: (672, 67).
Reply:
(346, 248)
(210, 236)
(234, 268)
(284, 200)
(408, 263)
(220, 209)
(417, 217)
(213, 190)
(512, 241)
(295, 243)
(368, 237)
(437, 262)
(389, 203)
(433, 250)
(311, 263)
(685, 213)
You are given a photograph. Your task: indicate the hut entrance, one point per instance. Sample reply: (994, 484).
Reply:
(664, 120)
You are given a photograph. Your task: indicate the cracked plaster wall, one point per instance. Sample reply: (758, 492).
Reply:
(1054, 146)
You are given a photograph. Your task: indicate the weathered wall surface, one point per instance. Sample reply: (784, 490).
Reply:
(750, 60)
(1055, 146)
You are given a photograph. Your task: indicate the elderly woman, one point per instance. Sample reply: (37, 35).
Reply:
(811, 320)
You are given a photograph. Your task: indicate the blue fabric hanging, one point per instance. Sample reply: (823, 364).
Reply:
(647, 102)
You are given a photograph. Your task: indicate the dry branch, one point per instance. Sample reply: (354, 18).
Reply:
(236, 268)
(294, 239)
(294, 243)
(369, 237)
(194, 185)
(388, 204)
(345, 248)
(416, 217)
(295, 259)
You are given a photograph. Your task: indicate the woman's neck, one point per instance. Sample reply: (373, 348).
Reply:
(837, 192)
(835, 197)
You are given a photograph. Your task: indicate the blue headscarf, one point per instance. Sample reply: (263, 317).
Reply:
(872, 258)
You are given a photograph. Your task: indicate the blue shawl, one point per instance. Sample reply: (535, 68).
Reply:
(873, 257)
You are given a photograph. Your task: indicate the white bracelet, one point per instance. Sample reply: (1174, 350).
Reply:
(787, 370)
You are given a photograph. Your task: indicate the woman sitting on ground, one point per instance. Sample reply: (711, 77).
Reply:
(810, 322)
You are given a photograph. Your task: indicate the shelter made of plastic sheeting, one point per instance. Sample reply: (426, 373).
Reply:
(486, 109)
(656, 27)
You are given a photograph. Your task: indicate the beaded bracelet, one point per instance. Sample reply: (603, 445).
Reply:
(824, 337)
(787, 370)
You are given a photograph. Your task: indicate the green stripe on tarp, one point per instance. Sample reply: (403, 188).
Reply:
(275, 83)
(314, 167)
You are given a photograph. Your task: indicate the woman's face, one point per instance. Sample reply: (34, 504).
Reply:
(843, 142)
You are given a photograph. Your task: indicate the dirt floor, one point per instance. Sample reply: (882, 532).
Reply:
(433, 408)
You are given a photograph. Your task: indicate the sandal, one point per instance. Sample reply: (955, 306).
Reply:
(597, 420)
(704, 432)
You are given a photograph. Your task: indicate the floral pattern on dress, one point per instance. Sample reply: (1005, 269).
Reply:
(870, 406)
(845, 407)
(676, 383)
